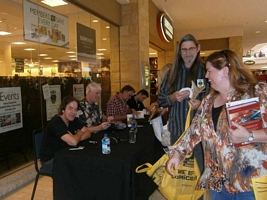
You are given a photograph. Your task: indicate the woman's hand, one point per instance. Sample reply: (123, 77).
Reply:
(195, 103)
(239, 135)
(173, 163)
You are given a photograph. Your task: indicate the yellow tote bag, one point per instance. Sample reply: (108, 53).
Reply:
(182, 185)
(260, 187)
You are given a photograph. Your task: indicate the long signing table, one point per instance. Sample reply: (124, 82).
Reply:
(89, 174)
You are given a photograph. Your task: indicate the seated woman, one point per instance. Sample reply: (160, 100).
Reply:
(62, 131)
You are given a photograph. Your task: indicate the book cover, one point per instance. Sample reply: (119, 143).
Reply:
(246, 113)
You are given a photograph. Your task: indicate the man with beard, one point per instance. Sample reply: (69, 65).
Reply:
(187, 67)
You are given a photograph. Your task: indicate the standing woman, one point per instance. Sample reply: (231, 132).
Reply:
(228, 169)
(64, 130)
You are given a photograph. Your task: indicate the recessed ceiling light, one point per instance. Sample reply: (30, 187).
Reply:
(55, 60)
(264, 67)
(70, 52)
(48, 58)
(54, 3)
(152, 53)
(95, 20)
(73, 59)
(257, 31)
(72, 56)
(99, 54)
(265, 21)
(4, 33)
(18, 43)
(104, 39)
(107, 27)
(101, 49)
(42, 54)
(29, 49)
(202, 53)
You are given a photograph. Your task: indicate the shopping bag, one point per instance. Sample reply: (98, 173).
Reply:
(260, 187)
(182, 185)
(157, 127)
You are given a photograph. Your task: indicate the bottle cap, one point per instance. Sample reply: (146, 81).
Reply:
(105, 135)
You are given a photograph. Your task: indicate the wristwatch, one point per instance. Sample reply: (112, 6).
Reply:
(250, 136)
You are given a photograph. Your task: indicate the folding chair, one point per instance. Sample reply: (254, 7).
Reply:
(37, 137)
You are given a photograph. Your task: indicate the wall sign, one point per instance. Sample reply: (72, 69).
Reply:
(165, 28)
(249, 62)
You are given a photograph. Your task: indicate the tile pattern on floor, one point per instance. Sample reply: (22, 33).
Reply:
(44, 191)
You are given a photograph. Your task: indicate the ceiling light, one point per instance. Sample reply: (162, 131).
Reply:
(48, 58)
(53, 3)
(202, 53)
(104, 39)
(29, 49)
(99, 54)
(257, 31)
(264, 67)
(4, 33)
(95, 20)
(107, 27)
(70, 52)
(31, 65)
(72, 56)
(18, 43)
(73, 59)
(42, 54)
(55, 61)
(153, 53)
(101, 49)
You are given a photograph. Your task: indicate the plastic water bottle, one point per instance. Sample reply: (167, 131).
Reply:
(106, 144)
(132, 134)
(134, 122)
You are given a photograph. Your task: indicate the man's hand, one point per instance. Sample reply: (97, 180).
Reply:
(105, 125)
(179, 96)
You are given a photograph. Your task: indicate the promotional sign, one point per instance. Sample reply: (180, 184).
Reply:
(53, 101)
(78, 91)
(10, 109)
(45, 26)
(19, 65)
(86, 43)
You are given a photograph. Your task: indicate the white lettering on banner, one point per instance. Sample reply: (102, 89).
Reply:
(4, 97)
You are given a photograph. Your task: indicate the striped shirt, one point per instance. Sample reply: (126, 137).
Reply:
(178, 110)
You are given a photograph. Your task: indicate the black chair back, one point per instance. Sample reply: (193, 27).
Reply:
(37, 142)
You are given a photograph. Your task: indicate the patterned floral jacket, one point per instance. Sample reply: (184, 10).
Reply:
(226, 164)
(90, 114)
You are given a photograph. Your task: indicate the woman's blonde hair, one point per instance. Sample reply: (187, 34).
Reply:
(162, 72)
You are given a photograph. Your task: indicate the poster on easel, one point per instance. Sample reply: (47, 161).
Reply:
(78, 91)
(53, 101)
(10, 109)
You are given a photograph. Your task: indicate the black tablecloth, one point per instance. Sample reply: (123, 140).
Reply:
(89, 174)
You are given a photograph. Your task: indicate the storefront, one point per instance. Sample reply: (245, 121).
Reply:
(49, 52)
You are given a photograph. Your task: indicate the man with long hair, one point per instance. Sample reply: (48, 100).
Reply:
(187, 67)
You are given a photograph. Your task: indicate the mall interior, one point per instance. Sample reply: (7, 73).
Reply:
(62, 48)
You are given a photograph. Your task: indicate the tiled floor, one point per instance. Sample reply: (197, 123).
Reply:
(44, 191)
